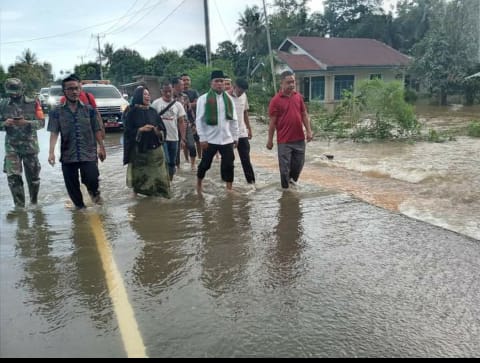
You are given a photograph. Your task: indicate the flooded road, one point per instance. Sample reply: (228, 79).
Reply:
(375, 254)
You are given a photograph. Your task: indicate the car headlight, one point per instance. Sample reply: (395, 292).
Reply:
(123, 107)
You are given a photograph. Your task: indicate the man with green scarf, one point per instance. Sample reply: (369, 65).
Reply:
(217, 128)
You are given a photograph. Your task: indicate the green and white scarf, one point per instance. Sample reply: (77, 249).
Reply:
(211, 113)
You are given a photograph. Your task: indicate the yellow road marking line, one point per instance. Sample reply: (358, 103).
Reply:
(129, 331)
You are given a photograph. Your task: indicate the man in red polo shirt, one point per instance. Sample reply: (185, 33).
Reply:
(289, 117)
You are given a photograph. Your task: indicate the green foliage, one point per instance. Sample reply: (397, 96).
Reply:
(442, 35)
(449, 48)
(3, 77)
(176, 68)
(226, 50)
(259, 97)
(33, 75)
(88, 71)
(325, 123)
(197, 52)
(384, 112)
(433, 136)
(158, 64)
(376, 110)
(200, 74)
(341, 16)
(126, 63)
(474, 128)
(410, 96)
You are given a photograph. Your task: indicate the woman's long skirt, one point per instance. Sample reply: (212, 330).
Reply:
(147, 173)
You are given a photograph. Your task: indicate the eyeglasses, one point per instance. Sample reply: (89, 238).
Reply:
(72, 89)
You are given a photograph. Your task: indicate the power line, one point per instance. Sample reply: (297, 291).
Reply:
(127, 26)
(127, 12)
(73, 31)
(156, 26)
(88, 47)
(221, 21)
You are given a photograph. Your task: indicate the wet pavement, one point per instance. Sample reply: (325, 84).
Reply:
(311, 272)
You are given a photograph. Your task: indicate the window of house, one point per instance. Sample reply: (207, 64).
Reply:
(343, 83)
(318, 88)
(375, 76)
(306, 89)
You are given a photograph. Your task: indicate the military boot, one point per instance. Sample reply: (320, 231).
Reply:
(33, 189)
(15, 183)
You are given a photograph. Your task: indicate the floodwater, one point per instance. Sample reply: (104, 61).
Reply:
(375, 254)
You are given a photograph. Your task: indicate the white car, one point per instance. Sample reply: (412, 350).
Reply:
(43, 97)
(110, 103)
(55, 92)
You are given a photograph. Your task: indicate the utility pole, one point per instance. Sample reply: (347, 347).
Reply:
(99, 55)
(478, 25)
(269, 47)
(207, 33)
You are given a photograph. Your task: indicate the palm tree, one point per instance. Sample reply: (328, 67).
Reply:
(251, 25)
(28, 57)
(107, 54)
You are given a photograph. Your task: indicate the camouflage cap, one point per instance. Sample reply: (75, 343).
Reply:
(13, 86)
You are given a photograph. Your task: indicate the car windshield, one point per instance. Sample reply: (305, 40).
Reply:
(55, 91)
(103, 92)
(44, 91)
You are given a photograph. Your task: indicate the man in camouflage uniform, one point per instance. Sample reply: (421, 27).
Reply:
(21, 117)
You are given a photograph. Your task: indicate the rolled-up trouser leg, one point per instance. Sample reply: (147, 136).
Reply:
(32, 174)
(15, 183)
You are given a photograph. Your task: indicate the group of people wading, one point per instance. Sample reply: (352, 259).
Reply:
(155, 134)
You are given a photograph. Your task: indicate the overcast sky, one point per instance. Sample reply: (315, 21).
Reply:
(64, 33)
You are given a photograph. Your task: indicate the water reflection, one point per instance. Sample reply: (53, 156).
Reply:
(87, 275)
(162, 229)
(42, 276)
(286, 255)
(226, 233)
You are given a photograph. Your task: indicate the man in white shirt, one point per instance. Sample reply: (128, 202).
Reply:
(174, 120)
(217, 128)
(245, 132)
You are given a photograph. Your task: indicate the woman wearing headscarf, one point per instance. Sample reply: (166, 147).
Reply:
(144, 133)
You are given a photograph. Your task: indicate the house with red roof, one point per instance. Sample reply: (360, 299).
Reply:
(324, 67)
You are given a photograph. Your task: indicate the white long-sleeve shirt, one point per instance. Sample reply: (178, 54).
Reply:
(225, 132)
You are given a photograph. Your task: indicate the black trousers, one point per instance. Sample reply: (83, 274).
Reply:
(243, 148)
(226, 165)
(89, 175)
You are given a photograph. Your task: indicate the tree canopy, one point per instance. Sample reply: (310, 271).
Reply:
(441, 37)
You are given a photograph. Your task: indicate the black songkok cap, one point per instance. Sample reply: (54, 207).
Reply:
(217, 74)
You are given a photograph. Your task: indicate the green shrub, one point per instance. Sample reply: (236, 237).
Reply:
(474, 129)
(410, 96)
(259, 98)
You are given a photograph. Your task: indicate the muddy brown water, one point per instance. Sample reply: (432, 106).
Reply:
(376, 254)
